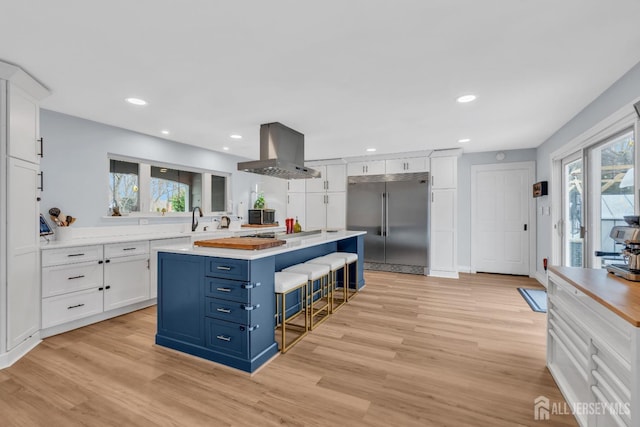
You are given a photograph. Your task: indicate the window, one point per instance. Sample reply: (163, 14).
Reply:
(218, 193)
(166, 189)
(123, 186)
(174, 190)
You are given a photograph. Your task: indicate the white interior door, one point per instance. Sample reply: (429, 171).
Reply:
(500, 222)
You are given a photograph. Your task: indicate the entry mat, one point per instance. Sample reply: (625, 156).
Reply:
(536, 298)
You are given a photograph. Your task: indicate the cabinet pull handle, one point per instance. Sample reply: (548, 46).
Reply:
(253, 328)
(100, 289)
(72, 255)
(74, 306)
(288, 200)
(108, 287)
(327, 184)
(41, 153)
(75, 277)
(107, 261)
(250, 285)
(250, 307)
(222, 267)
(223, 289)
(223, 338)
(41, 188)
(223, 310)
(129, 249)
(100, 262)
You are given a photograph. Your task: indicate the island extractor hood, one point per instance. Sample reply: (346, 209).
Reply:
(281, 154)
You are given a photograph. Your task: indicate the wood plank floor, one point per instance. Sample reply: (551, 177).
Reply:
(408, 351)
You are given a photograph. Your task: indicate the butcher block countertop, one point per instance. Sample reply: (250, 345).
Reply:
(618, 295)
(246, 243)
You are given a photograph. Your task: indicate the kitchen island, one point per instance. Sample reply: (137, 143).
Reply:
(219, 304)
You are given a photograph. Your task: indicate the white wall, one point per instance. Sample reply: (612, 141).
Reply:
(464, 194)
(622, 92)
(76, 169)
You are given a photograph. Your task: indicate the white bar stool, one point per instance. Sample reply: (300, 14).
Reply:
(349, 259)
(285, 283)
(319, 273)
(335, 264)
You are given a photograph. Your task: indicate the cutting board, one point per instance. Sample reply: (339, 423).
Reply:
(248, 243)
(275, 224)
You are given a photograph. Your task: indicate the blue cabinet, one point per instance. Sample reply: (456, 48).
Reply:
(217, 308)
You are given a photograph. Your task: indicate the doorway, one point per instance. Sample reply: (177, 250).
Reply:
(502, 218)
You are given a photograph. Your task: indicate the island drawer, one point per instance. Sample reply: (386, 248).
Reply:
(235, 269)
(230, 311)
(226, 337)
(227, 289)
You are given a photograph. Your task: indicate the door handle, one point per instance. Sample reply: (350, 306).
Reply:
(41, 153)
(525, 227)
(41, 188)
(386, 215)
(382, 214)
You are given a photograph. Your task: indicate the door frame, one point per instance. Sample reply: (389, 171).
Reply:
(530, 167)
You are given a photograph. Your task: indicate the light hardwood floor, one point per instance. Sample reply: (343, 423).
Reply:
(408, 351)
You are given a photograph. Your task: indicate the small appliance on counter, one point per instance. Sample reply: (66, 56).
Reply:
(262, 216)
(629, 236)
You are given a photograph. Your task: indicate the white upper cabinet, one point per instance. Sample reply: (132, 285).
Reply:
(372, 167)
(407, 165)
(24, 142)
(333, 178)
(296, 186)
(444, 172)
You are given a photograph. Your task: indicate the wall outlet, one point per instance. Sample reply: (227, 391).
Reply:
(143, 221)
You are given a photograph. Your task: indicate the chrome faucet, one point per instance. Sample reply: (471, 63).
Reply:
(194, 220)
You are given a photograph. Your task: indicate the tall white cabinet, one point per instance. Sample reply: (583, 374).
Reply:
(20, 185)
(443, 247)
(326, 198)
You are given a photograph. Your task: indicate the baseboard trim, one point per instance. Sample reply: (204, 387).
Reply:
(465, 269)
(542, 278)
(12, 356)
(445, 274)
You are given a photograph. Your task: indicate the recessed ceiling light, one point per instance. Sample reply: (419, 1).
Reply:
(225, 148)
(165, 132)
(463, 140)
(235, 136)
(466, 98)
(163, 170)
(371, 150)
(136, 101)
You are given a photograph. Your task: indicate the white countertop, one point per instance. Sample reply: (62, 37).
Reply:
(293, 244)
(155, 235)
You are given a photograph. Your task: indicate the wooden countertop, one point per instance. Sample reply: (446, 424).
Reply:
(618, 295)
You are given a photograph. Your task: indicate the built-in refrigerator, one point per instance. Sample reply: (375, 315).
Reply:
(393, 210)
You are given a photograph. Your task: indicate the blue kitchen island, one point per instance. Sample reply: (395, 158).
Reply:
(219, 304)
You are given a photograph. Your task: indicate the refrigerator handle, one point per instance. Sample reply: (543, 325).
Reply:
(386, 216)
(382, 214)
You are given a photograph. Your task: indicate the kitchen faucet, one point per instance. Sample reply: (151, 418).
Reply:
(194, 220)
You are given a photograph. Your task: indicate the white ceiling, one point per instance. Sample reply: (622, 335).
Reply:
(349, 74)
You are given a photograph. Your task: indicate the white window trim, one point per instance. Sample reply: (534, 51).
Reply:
(622, 119)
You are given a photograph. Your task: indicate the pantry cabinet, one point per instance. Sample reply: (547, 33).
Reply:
(20, 185)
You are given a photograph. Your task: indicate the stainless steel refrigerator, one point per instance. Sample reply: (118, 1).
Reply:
(394, 213)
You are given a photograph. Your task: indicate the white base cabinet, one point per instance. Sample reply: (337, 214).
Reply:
(593, 355)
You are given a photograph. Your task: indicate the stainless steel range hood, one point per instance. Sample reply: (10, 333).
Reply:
(281, 154)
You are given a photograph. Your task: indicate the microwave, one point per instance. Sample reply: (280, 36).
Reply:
(262, 216)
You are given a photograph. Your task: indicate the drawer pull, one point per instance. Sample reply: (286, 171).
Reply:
(223, 338)
(253, 328)
(129, 249)
(76, 277)
(74, 306)
(250, 307)
(223, 289)
(223, 267)
(72, 255)
(250, 285)
(223, 310)
(619, 384)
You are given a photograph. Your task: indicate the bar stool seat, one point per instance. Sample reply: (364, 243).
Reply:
(348, 259)
(320, 273)
(335, 264)
(285, 283)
